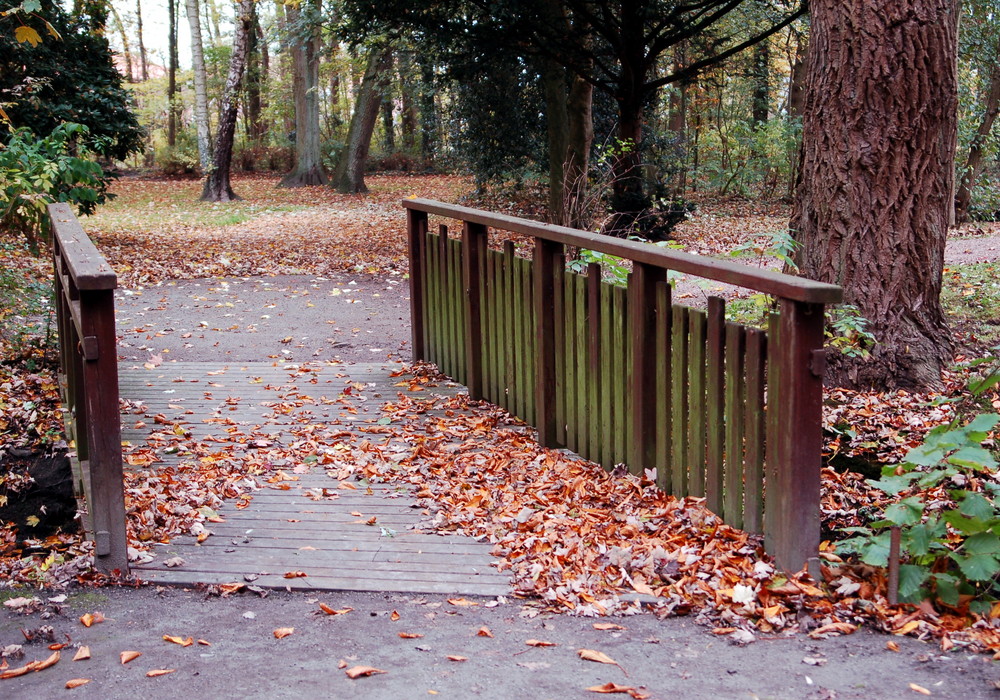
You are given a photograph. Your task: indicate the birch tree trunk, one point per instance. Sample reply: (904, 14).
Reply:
(217, 186)
(200, 86)
(349, 176)
(875, 186)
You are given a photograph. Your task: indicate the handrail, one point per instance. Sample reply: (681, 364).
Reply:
(766, 281)
(84, 294)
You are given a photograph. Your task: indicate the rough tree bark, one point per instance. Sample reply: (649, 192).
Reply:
(304, 46)
(200, 86)
(217, 187)
(428, 108)
(349, 176)
(875, 184)
(172, 74)
(408, 101)
(256, 74)
(974, 162)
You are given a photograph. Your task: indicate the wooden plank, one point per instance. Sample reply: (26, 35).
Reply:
(620, 383)
(735, 396)
(509, 311)
(432, 347)
(560, 349)
(474, 240)
(595, 396)
(459, 315)
(528, 334)
(570, 366)
(753, 465)
(607, 379)
(664, 406)
(544, 414)
(679, 399)
(714, 402)
(583, 382)
(520, 338)
(642, 319)
(697, 337)
(416, 234)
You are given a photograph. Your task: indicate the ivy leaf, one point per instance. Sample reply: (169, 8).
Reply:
(911, 579)
(977, 567)
(905, 512)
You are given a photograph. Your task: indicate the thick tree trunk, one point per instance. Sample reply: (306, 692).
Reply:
(408, 101)
(172, 74)
(761, 82)
(217, 187)
(579, 110)
(349, 176)
(143, 63)
(255, 79)
(388, 125)
(557, 120)
(428, 109)
(304, 48)
(974, 162)
(200, 86)
(875, 184)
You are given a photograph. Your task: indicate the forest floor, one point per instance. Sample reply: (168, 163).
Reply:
(263, 262)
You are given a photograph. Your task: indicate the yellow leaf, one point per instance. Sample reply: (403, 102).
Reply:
(283, 632)
(330, 611)
(607, 626)
(76, 682)
(462, 602)
(82, 654)
(32, 520)
(178, 640)
(919, 689)
(360, 671)
(91, 619)
(27, 35)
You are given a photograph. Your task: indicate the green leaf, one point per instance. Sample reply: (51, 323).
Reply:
(982, 543)
(984, 422)
(917, 540)
(911, 579)
(892, 485)
(977, 567)
(905, 512)
(385, 420)
(876, 551)
(946, 586)
(967, 526)
(980, 607)
(975, 505)
(973, 458)
(31, 5)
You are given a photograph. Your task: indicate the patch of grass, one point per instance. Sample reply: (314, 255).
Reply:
(87, 599)
(971, 299)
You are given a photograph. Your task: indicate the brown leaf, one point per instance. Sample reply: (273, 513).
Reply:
(361, 671)
(76, 682)
(91, 619)
(462, 602)
(891, 646)
(295, 574)
(598, 656)
(607, 626)
(610, 687)
(484, 631)
(410, 635)
(834, 628)
(204, 643)
(159, 672)
(540, 643)
(283, 632)
(394, 616)
(330, 611)
(456, 657)
(82, 654)
(127, 656)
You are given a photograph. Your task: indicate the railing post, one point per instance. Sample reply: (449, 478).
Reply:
(416, 235)
(792, 513)
(474, 240)
(545, 257)
(642, 327)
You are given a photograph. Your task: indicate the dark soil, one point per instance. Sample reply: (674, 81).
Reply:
(47, 493)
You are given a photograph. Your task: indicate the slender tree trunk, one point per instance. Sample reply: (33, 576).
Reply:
(579, 110)
(143, 63)
(217, 186)
(974, 161)
(408, 101)
(388, 125)
(677, 122)
(126, 49)
(796, 101)
(304, 47)
(255, 79)
(557, 119)
(172, 74)
(428, 109)
(875, 185)
(200, 86)
(761, 82)
(349, 176)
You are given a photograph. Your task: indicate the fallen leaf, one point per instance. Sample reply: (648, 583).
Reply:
(204, 643)
(540, 643)
(127, 656)
(607, 626)
(330, 611)
(410, 635)
(891, 646)
(361, 671)
(598, 656)
(394, 616)
(159, 672)
(82, 654)
(295, 574)
(919, 689)
(456, 657)
(91, 619)
(484, 631)
(462, 602)
(283, 632)
(835, 628)
(76, 682)
(610, 687)
(178, 640)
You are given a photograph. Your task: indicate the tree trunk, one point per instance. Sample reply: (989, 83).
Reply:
(557, 120)
(974, 162)
(579, 111)
(349, 176)
(388, 126)
(200, 86)
(126, 50)
(428, 108)
(217, 187)
(875, 183)
(304, 47)
(143, 63)
(172, 74)
(255, 79)
(796, 102)
(761, 82)
(408, 101)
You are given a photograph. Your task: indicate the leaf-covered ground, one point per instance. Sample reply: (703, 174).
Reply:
(572, 535)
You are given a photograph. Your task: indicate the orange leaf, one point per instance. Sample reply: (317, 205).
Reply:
(598, 656)
(283, 632)
(76, 682)
(456, 657)
(127, 656)
(394, 616)
(462, 602)
(360, 671)
(484, 631)
(178, 640)
(919, 689)
(410, 635)
(51, 661)
(56, 647)
(204, 643)
(91, 619)
(891, 646)
(82, 654)
(295, 574)
(159, 672)
(540, 643)
(607, 626)
(330, 611)
(610, 687)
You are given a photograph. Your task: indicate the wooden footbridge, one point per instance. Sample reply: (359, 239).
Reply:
(619, 375)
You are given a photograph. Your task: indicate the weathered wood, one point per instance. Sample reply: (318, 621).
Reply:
(583, 382)
(474, 240)
(774, 283)
(595, 396)
(560, 350)
(510, 339)
(642, 319)
(619, 376)
(607, 405)
(732, 500)
(679, 399)
(664, 406)
(753, 466)
(546, 256)
(416, 233)
(697, 337)
(714, 402)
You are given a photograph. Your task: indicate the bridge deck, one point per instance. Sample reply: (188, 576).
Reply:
(307, 521)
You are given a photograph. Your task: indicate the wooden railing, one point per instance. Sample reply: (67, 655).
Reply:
(85, 313)
(719, 410)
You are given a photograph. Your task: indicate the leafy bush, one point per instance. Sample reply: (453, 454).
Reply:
(949, 523)
(35, 172)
